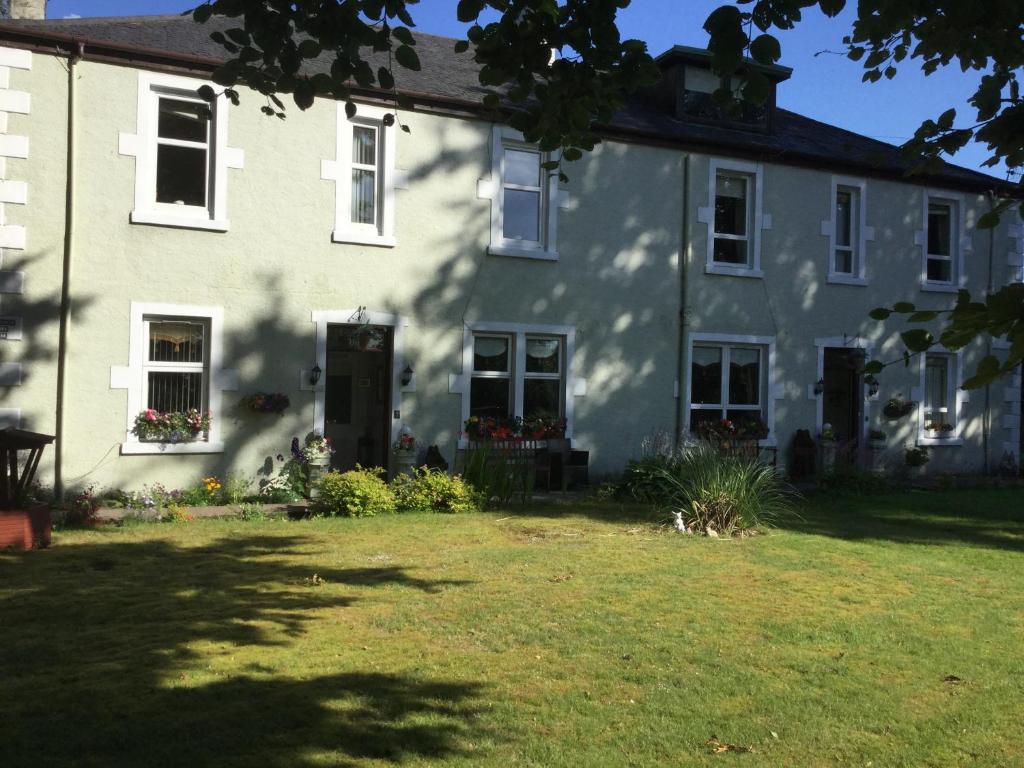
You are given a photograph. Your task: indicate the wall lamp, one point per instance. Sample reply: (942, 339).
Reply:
(407, 375)
(819, 386)
(314, 374)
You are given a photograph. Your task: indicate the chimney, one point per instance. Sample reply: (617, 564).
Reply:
(27, 9)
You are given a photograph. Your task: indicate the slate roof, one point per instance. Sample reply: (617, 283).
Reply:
(449, 77)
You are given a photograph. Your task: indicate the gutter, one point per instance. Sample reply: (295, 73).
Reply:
(65, 286)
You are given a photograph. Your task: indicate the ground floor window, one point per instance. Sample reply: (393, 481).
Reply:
(176, 369)
(728, 383)
(517, 375)
(939, 395)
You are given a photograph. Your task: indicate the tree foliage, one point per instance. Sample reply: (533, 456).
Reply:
(1000, 315)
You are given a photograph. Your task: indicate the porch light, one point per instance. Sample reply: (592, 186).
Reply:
(407, 375)
(314, 374)
(819, 386)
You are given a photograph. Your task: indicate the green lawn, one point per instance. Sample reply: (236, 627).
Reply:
(566, 636)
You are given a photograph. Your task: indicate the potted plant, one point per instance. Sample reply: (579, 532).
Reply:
(876, 439)
(829, 445)
(916, 458)
(897, 408)
(405, 450)
(266, 402)
(315, 455)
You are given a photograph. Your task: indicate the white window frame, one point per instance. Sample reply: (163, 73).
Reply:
(767, 345)
(493, 189)
(959, 242)
(507, 375)
(142, 145)
(757, 219)
(572, 387)
(955, 396)
(339, 170)
(862, 235)
(132, 377)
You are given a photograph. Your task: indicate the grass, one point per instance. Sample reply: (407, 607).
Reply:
(881, 630)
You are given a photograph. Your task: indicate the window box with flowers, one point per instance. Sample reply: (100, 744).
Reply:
(479, 429)
(152, 426)
(739, 437)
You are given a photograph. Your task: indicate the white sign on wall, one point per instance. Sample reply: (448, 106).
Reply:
(10, 328)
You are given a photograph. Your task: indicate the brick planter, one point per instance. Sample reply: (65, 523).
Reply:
(25, 528)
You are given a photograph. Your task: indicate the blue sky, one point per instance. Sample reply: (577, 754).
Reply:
(827, 87)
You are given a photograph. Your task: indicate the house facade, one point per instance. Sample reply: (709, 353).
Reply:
(690, 271)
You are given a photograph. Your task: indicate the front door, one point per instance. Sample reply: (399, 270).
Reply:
(357, 394)
(842, 400)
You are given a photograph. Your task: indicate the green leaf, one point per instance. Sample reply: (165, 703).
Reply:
(988, 220)
(403, 35)
(202, 13)
(873, 367)
(879, 313)
(303, 94)
(206, 93)
(385, 78)
(902, 307)
(461, 46)
(923, 316)
(765, 49)
(407, 57)
(917, 339)
(350, 109)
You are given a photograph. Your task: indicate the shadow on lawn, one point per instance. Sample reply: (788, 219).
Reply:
(990, 518)
(101, 643)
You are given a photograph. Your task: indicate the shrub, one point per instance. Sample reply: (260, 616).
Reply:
(359, 493)
(82, 508)
(645, 479)
(177, 513)
(725, 494)
(917, 457)
(854, 480)
(498, 477)
(252, 511)
(434, 491)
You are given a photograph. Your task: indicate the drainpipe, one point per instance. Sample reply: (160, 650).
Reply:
(986, 421)
(65, 287)
(684, 260)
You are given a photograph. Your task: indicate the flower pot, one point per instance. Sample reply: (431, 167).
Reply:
(25, 528)
(318, 467)
(828, 455)
(405, 462)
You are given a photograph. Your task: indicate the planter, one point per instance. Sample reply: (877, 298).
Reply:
(25, 528)
(317, 469)
(405, 462)
(828, 455)
(875, 450)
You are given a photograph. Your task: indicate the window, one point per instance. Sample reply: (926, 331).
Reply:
(519, 374)
(175, 355)
(365, 177)
(183, 151)
(939, 398)
(176, 368)
(181, 155)
(727, 381)
(524, 197)
(941, 239)
(732, 219)
(845, 256)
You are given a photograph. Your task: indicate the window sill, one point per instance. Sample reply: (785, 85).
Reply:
(939, 441)
(136, 448)
(939, 287)
(161, 219)
(723, 269)
(360, 238)
(839, 278)
(519, 252)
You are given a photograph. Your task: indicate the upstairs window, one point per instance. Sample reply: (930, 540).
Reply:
(183, 152)
(940, 265)
(365, 173)
(365, 177)
(846, 257)
(522, 197)
(732, 219)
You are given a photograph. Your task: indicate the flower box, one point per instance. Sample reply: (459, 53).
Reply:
(266, 402)
(152, 426)
(25, 528)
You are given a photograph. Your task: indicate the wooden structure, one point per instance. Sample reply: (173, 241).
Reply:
(14, 483)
